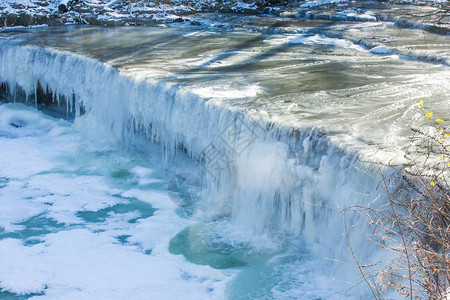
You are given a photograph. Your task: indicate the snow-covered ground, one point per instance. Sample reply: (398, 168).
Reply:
(139, 12)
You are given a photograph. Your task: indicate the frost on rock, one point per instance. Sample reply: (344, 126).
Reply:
(379, 50)
(139, 12)
(356, 16)
(104, 12)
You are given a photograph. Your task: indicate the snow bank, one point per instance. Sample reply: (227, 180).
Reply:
(354, 16)
(379, 50)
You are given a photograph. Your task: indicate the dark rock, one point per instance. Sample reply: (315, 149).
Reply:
(41, 19)
(17, 6)
(41, 3)
(56, 22)
(25, 20)
(225, 10)
(82, 9)
(90, 18)
(195, 23)
(66, 5)
(11, 20)
(63, 8)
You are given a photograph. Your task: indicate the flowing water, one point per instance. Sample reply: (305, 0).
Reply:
(202, 162)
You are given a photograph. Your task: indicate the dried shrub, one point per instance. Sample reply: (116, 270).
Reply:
(414, 223)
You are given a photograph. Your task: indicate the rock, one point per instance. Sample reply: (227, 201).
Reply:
(82, 9)
(11, 20)
(25, 20)
(41, 19)
(90, 18)
(65, 5)
(18, 6)
(195, 23)
(56, 22)
(41, 3)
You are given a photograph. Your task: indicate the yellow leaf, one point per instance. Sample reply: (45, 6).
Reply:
(421, 102)
(439, 120)
(441, 155)
(448, 163)
(432, 183)
(441, 141)
(440, 128)
(420, 106)
(429, 115)
(447, 134)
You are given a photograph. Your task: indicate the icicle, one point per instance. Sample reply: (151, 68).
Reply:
(13, 93)
(36, 96)
(67, 107)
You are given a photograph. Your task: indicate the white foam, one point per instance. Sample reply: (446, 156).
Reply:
(316, 40)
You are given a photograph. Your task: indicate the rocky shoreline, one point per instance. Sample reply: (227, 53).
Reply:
(427, 16)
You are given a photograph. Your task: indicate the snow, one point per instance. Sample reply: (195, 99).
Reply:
(313, 3)
(379, 50)
(80, 264)
(18, 6)
(302, 39)
(244, 6)
(217, 92)
(50, 171)
(352, 14)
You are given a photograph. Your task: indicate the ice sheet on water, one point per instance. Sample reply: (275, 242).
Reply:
(316, 40)
(68, 231)
(81, 264)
